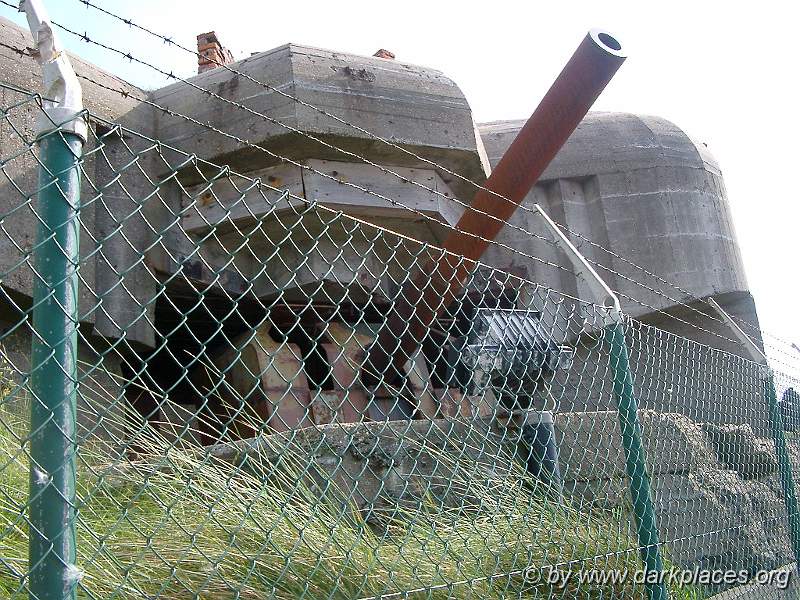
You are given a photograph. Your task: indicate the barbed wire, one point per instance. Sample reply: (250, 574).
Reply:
(192, 158)
(118, 129)
(498, 244)
(170, 41)
(247, 143)
(538, 259)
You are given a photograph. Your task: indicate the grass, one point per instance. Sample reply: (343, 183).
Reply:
(177, 523)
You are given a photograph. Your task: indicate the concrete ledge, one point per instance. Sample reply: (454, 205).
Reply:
(386, 465)
(709, 516)
(590, 444)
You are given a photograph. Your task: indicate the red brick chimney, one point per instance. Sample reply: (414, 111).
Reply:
(212, 53)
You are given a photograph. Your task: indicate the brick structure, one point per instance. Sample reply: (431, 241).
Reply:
(212, 53)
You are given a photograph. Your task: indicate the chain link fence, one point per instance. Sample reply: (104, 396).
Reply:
(229, 444)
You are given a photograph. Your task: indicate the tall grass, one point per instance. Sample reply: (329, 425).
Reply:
(176, 522)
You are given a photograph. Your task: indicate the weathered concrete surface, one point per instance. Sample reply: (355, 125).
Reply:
(416, 107)
(741, 451)
(105, 306)
(671, 374)
(708, 516)
(110, 224)
(591, 445)
(635, 184)
(385, 465)
(642, 188)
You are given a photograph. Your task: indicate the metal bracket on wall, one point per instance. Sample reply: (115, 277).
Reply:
(755, 352)
(603, 294)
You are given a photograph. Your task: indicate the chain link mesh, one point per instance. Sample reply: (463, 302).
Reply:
(227, 446)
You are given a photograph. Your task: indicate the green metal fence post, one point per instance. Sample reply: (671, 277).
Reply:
(61, 133)
(784, 466)
(614, 333)
(776, 429)
(643, 512)
(52, 551)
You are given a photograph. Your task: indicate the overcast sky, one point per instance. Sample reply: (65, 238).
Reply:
(724, 72)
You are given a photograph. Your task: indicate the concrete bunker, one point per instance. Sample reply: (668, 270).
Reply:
(206, 265)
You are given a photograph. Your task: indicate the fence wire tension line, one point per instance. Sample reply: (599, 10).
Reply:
(373, 349)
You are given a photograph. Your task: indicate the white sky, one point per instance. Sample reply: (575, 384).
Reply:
(724, 72)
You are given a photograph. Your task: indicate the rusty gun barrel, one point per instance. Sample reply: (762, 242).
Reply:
(434, 287)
